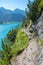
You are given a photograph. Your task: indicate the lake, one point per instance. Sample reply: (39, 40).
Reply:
(4, 29)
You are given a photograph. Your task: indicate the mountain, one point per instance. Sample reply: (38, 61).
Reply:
(19, 11)
(11, 16)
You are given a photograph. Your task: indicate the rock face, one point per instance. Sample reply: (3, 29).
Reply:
(40, 58)
(39, 26)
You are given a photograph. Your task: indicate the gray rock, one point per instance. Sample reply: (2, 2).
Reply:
(39, 26)
(39, 60)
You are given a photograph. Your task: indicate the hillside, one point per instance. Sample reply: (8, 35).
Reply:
(24, 45)
(32, 54)
(11, 16)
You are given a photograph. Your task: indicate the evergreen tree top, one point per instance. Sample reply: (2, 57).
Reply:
(34, 9)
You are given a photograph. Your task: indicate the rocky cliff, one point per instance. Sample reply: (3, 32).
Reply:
(39, 26)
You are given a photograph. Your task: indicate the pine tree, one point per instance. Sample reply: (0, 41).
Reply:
(6, 53)
(33, 11)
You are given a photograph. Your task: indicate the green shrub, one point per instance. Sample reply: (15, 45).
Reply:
(31, 30)
(21, 40)
(41, 5)
(12, 35)
(40, 41)
(4, 62)
(12, 49)
(20, 43)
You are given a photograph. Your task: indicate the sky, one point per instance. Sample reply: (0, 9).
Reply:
(13, 4)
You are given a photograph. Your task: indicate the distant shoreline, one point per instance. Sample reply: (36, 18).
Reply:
(9, 22)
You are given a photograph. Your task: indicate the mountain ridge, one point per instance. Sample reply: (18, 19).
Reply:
(7, 15)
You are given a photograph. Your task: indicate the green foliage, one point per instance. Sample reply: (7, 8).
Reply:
(12, 49)
(7, 44)
(3, 59)
(30, 23)
(12, 35)
(40, 41)
(20, 43)
(21, 40)
(4, 62)
(23, 23)
(41, 5)
(34, 10)
(31, 30)
(6, 52)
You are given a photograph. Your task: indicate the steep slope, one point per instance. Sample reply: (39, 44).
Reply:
(32, 55)
(28, 56)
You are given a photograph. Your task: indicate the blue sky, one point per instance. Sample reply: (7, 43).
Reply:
(13, 4)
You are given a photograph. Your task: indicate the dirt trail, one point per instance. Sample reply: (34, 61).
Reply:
(26, 31)
(28, 56)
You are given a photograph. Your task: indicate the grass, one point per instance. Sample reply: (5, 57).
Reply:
(41, 4)
(20, 43)
(40, 42)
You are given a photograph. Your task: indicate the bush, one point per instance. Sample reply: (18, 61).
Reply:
(10, 50)
(41, 5)
(40, 41)
(4, 62)
(21, 40)
(20, 43)
(31, 30)
(12, 35)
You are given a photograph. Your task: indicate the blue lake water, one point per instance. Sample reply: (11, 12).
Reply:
(4, 29)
